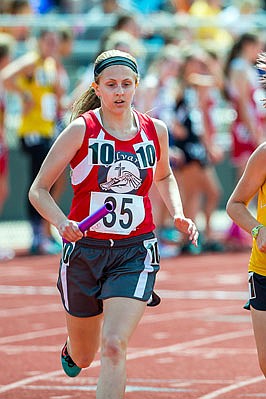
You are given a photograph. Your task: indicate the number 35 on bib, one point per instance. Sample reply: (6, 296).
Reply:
(128, 212)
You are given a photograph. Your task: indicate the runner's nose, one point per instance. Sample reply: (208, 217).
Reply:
(120, 90)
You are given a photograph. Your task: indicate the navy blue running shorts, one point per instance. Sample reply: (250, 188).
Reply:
(257, 291)
(92, 270)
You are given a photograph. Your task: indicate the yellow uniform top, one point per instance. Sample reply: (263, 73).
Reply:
(202, 9)
(257, 262)
(39, 117)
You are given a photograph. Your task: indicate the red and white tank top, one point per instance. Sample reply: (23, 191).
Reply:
(108, 169)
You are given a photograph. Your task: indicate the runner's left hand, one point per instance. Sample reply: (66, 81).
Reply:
(187, 226)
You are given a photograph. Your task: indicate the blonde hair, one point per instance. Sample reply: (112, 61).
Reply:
(89, 100)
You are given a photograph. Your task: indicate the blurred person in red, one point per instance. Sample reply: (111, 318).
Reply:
(6, 44)
(242, 83)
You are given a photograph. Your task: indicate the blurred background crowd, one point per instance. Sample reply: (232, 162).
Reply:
(198, 73)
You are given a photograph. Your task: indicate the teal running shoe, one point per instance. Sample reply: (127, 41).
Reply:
(69, 367)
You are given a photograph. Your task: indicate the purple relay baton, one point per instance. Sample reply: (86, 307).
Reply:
(89, 221)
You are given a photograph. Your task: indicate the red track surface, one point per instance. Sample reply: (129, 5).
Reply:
(197, 344)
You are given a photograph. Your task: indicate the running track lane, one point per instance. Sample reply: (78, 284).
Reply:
(197, 344)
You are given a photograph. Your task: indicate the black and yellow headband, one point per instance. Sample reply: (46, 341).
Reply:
(117, 60)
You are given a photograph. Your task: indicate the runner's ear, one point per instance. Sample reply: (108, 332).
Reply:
(94, 85)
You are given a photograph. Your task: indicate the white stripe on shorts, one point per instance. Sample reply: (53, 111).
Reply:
(63, 275)
(143, 277)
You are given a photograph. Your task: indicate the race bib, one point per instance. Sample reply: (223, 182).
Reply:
(128, 212)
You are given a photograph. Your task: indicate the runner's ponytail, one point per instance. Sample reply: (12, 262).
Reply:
(86, 102)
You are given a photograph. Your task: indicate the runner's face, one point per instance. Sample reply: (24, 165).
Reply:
(116, 88)
(48, 44)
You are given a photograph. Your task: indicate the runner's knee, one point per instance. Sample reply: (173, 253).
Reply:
(83, 360)
(114, 347)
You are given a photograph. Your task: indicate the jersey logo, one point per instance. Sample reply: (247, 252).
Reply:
(122, 177)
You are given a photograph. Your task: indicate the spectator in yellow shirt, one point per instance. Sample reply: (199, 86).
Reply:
(209, 10)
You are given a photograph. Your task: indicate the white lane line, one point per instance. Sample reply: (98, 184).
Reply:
(169, 294)
(148, 318)
(232, 387)
(139, 354)
(176, 381)
(204, 294)
(27, 290)
(190, 344)
(206, 353)
(87, 388)
(30, 380)
(33, 334)
(28, 310)
(194, 313)
(21, 349)
(61, 397)
(85, 379)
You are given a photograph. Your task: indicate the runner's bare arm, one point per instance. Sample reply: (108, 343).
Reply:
(252, 179)
(168, 187)
(59, 156)
(21, 66)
